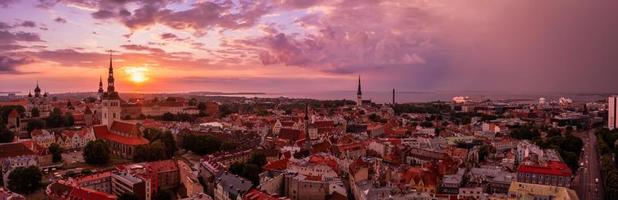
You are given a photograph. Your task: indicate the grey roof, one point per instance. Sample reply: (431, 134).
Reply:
(233, 184)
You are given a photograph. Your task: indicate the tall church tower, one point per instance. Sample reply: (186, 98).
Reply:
(359, 94)
(110, 109)
(101, 91)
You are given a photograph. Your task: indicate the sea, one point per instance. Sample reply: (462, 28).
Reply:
(428, 96)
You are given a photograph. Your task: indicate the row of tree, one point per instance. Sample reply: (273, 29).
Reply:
(162, 146)
(201, 144)
(250, 169)
(568, 146)
(606, 145)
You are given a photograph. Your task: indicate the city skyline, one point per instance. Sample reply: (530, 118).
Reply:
(312, 46)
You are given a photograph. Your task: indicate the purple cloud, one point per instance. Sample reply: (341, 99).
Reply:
(7, 37)
(7, 3)
(142, 48)
(60, 20)
(28, 24)
(102, 14)
(8, 64)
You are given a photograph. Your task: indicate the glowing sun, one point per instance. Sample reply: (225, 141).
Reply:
(137, 74)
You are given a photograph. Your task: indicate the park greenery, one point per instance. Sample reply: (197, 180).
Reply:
(6, 135)
(96, 153)
(161, 147)
(56, 152)
(250, 169)
(202, 144)
(25, 180)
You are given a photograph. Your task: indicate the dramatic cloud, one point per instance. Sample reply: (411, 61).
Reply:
(168, 36)
(142, 48)
(354, 36)
(7, 37)
(8, 64)
(28, 24)
(60, 20)
(553, 45)
(6, 3)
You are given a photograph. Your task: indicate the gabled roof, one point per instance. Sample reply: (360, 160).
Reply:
(102, 132)
(125, 128)
(14, 149)
(291, 134)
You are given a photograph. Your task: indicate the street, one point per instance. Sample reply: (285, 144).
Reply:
(585, 181)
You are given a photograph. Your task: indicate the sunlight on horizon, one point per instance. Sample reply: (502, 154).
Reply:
(137, 75)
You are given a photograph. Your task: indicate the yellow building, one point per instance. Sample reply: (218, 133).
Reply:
(519, 190)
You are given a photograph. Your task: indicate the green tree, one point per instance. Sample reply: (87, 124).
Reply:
(96, 153)
(35, 112)
(163, 195)
(150, 152)
(258, 159)
(6, 135)
(193, 102)
(166, 138)
(55, 119)
(128, 196)
(228, 146)
(236, 168)
(252, 172)
(56, 152)
(169, 143)
(34, 124)
(201, 144)
(25, 180)
(484, 152)
(68, 120)
(168, 117)
(6, 110)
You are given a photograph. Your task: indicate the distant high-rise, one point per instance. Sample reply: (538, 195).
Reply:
(393, 96)
(612, 120)
(359, 94)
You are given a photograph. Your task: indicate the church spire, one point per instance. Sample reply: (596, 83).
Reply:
(37, 90)
(100, 85)
(359, 94)
(110, 79)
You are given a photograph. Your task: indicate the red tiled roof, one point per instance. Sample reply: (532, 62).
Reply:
(277, 165)
(318, 159)
(254, 194)
(291, 134)
(101, 132)
(555, 168)
(89, 194)
(162, 166)
(14, 149)
(124, 127)
(325, 124)
(321, 147)
(417, 174)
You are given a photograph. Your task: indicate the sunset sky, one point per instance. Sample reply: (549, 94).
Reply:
(310, 45)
